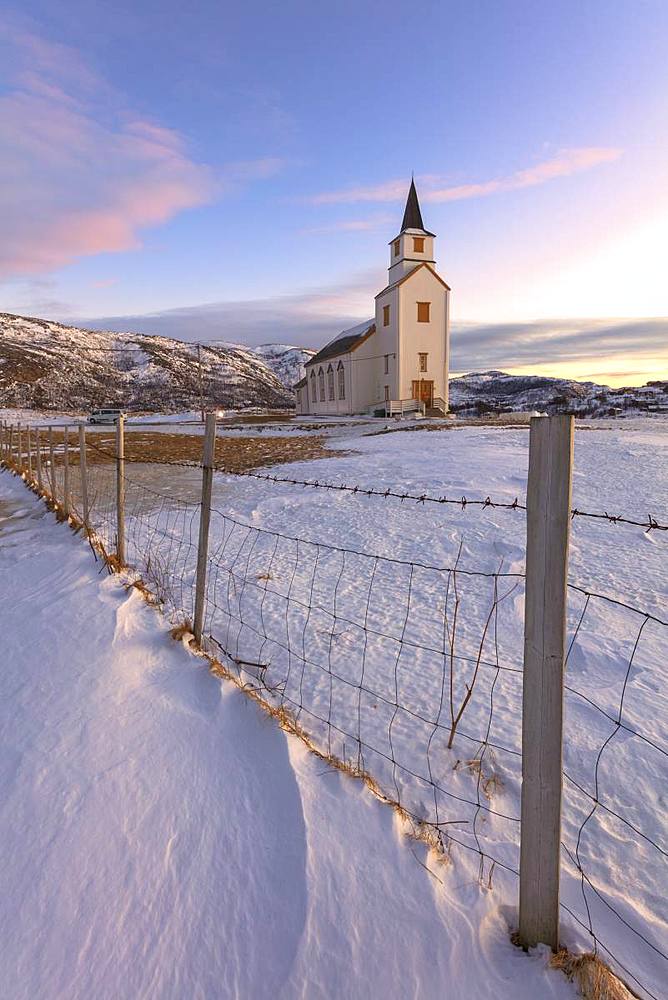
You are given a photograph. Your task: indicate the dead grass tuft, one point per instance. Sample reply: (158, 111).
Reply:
(182, 631)
(592, 976)
(489, 782)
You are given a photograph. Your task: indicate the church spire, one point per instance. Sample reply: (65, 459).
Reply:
(412, 213)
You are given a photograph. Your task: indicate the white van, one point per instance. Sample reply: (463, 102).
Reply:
(107, 416)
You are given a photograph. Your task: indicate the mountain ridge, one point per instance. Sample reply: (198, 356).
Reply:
(495, 391)
(49, 365)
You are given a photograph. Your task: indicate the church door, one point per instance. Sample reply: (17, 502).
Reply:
(423, 389)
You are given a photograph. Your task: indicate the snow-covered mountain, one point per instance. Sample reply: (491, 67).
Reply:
(287, 362)
(498, 392)
(47, 365)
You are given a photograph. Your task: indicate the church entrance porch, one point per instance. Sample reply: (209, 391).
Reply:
(423, 390)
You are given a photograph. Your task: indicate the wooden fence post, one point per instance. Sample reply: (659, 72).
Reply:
(208, 457)
(66, 471)
(548, 523)
(10, 444)
(2, 440)
(19, 443)
(52, 467)
(83, 474)
(38, 457)
(120, 489)
(29, 447)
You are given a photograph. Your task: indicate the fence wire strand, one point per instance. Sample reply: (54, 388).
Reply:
(403, 671)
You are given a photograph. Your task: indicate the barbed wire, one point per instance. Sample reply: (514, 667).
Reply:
(651, 524)
(370, 657)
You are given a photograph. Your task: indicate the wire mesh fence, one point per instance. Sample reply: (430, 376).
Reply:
(614, 841)
(410, 673)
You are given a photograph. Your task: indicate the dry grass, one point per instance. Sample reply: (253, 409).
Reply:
(412, 827)
(490, 783)
(182, 631)
(593, 978)
(234, 454)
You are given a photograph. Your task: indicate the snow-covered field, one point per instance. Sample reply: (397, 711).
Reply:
(352, 625)
(162, 839)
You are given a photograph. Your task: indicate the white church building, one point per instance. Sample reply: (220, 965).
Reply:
(398, 361)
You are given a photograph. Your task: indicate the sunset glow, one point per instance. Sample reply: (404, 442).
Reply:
(267, 183)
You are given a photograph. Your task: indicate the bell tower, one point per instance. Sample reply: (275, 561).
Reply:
(414, 245)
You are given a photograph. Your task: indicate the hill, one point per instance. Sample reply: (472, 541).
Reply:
(286, 362)
(48, 365)
(498, 392)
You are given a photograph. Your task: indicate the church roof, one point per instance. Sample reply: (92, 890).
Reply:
(412, 213)
(410, 274)
(412, 221)
(346, 341)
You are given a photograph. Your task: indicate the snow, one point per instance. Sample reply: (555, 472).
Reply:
(353, 331)
(620, 468)
(49, 365)
(286, 361)
(500, 392)
(162, 838)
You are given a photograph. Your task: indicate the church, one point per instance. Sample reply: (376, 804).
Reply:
(397, 362)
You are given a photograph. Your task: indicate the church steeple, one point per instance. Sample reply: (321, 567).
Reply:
(412, 213)
(414, 245)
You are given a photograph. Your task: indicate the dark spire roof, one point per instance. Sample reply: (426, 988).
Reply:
(412, 214)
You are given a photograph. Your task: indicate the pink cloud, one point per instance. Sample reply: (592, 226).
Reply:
(563, 164)
(80, 175)
(74, 183)
(349, 226)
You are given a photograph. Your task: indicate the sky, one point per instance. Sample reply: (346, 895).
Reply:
(226, 171)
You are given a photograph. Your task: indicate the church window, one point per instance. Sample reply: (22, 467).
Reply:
(387, 393)
(314, 394)
(386, 315)
(423, 362)
(423, 312)
(386, 369)
(330, 383)
(341, 372)
(396, 246)
(418, 244)
(321, 385)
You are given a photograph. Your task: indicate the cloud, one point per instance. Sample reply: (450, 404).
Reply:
(615, 350)
(565, 163)
(348, 226)
(104, 283)
(308, 319)
(599, 349)
(79, 173)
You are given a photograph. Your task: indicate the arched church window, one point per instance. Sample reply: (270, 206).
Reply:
(341, 373)
(314, 395)
(330, 383)
(321, 384)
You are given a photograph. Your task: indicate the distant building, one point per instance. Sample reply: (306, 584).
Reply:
(399, 360)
